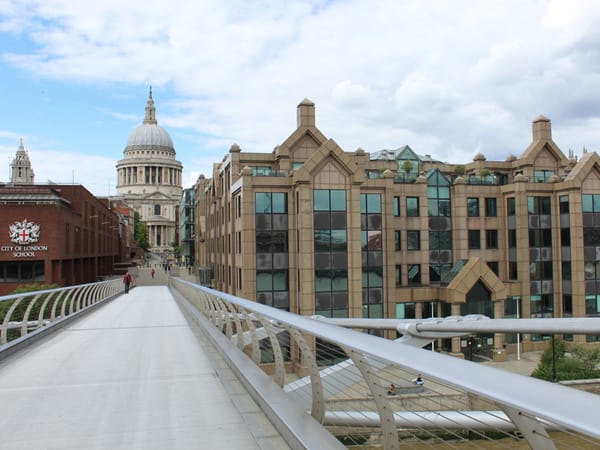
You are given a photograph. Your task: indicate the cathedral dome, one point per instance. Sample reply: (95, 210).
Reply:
(149, 133)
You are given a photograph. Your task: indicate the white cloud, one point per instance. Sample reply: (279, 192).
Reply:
(450, 80)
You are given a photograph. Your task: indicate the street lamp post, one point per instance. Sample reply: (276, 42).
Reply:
(432, 312)
(554, 379)
(518, 300)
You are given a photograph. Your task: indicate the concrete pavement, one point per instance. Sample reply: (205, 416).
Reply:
(131, 375)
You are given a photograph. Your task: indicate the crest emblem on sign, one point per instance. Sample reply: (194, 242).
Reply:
(24, 232)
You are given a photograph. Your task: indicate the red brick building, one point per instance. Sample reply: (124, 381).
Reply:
(58, 234)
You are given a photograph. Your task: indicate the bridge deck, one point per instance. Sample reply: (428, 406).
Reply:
(131, 375)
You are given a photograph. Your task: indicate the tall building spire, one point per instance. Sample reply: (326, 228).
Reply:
(21, 170)
(150, 110)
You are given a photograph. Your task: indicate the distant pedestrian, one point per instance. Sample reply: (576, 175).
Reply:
(127, 282)
(152, 273)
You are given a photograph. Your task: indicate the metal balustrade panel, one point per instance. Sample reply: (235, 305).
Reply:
(460, 405)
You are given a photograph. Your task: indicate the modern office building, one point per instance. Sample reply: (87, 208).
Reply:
(187, 227)
(149, 180)
(314, 229)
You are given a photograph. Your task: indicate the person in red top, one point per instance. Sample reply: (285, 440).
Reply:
(127, 282)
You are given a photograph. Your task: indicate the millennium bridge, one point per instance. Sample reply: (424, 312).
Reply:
(174, 365)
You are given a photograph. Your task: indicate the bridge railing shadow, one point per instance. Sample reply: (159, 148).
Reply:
(343, 379)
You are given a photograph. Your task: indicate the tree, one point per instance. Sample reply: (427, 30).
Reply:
(459, 169)
(407, 166)
(574, 363)
(140, 232)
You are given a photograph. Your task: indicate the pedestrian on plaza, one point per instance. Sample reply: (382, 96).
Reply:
(419, 380)
(127, 281)
(152, 273)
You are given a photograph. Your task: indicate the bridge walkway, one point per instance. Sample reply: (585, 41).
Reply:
(131, 375)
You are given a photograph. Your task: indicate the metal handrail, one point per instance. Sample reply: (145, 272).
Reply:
(54, 305)
(528, 405)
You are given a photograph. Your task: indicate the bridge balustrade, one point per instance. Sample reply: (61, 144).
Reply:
(343, 379)
(32, 313)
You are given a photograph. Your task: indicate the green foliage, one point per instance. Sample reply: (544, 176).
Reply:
(140, 232)
(34, 287)
(407, 165)
(484, 172)
(459, 169)
(575, 363)
(19, 313)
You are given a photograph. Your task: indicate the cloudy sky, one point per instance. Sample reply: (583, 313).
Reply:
(449, 78)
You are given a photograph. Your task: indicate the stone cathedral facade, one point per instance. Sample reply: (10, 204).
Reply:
(149, 180)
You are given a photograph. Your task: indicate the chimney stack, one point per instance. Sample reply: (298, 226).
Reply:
(306, 114)
(542, 129)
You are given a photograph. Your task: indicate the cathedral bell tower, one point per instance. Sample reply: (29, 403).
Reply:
(21, 171)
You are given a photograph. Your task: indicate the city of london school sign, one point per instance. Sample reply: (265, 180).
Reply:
(24, 235)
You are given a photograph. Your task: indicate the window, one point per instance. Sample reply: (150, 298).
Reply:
(405, 310)
(513, 273)
(472, 207)
(512, 238)
(438, 195)
(271, 202)
(414, 274)
(329, 200)
(238, 206)
(330, 241)
(413, 240)
(566, 270)
(398, 275)
(491, 209)
(591, 202)
(510, 206)
(491, 238)
(540, 270)
(493, 265)
(261, 171)
(396, 206)
(397, 245)
(540, 237)
(538, 205)
(412, 206)
(25, 271)
(474, 239)
(542, 176)
(271, 235)
(567, 305)
(565, 237)
(542, 306)
(563, 204)
(372, 261)
(370, 203)
(157, 210)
